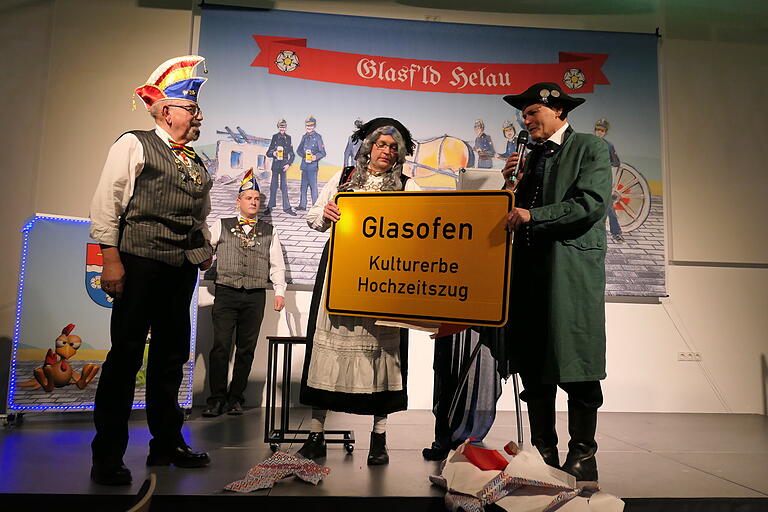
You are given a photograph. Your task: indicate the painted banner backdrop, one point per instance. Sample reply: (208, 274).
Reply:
(444, 81)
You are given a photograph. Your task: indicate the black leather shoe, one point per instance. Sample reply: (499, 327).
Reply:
(110, 474)
(435, 452)
(290, 211)
(301, 208)
(550, 455)
(377, 455)
(267, 211)
(234, 409)
(581, 462)
(582, 426)
(213, 410)
(314, 447)
(181, 457)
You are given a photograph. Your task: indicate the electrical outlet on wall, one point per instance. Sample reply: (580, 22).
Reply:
(689, 356)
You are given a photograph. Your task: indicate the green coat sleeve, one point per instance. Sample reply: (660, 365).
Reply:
(582, 191)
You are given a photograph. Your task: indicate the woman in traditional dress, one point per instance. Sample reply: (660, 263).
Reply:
(353, 364)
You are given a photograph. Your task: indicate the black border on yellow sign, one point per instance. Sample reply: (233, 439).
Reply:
(442, 319)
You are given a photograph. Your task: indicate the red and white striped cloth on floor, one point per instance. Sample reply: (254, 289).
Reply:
(279, 466)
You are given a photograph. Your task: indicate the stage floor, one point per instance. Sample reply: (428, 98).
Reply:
(641, 456)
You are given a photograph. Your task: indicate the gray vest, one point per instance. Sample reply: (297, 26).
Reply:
(164, 217)
(243, 267)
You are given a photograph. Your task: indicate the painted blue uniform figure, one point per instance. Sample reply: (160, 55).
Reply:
(601, 129)
(483, 146)
(509, 133)
(350, 152)
(282, 155)
(311, 149)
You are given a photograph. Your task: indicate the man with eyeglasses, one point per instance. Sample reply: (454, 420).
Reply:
(148, 214)
(352, 364)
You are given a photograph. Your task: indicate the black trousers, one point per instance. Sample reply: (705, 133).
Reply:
(446, 380)
(156, 296)
(241, 312)
(587, 395)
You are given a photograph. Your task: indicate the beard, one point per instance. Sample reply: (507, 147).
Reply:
(193, 133)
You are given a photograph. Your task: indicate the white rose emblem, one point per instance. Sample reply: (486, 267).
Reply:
(287, 61)
(574, 79)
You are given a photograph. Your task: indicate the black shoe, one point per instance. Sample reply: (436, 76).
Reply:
(301, 208)
(213, 409)
(290, 211)
(435, 452)
(314, 447)
(267, 211)
(581, 462)
(234, 409)
(582, 426)
(181, 457)
(550, 455)
(541, 418)
(377, 455)
(110, 474)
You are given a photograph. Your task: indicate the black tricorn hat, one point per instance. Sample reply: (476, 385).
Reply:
(378, 122)
(546, 93)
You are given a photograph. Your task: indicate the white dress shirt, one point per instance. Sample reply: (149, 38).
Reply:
(557, 137)
(276, 261)
(116, 185)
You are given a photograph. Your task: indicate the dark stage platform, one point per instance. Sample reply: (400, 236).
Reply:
(675, 462)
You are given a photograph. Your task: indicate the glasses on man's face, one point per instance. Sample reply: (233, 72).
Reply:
(194, 110)
(381, 145)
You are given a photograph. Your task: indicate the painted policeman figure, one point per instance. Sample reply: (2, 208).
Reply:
(601, 130)
(311, 150)
(282, 155)
(248, 258)
(483, 146)
(350, 151)
(557, 303)
(509, 133)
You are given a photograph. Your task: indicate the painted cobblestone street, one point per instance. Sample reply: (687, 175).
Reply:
(634, 267)
(71, 395)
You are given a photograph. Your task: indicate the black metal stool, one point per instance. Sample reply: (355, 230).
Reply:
(276, 435)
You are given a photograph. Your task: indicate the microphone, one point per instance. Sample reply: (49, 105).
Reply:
(522, 141)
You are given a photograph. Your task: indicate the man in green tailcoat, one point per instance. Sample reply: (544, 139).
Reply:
(556, 331)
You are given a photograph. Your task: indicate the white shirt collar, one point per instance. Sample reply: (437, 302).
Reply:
(557, 137)
(163, 135)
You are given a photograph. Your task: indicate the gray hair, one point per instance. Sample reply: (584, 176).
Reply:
(391, 179)
(156, 109)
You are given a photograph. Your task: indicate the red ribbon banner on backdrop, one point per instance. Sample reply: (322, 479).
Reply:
(576, 72)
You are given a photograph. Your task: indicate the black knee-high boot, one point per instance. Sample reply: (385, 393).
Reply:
(582, 425)
(541, 417)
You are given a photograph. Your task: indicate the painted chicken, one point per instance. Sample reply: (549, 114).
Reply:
(57, 371)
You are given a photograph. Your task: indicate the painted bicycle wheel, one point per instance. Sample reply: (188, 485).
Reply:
(631, 197)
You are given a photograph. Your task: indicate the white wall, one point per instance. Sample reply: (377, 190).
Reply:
(70, 85)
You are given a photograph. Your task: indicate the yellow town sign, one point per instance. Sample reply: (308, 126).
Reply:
(441, 256)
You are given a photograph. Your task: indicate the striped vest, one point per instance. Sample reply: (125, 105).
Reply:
(243, 267)
(164, 217)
